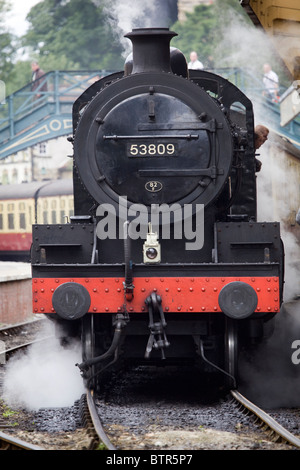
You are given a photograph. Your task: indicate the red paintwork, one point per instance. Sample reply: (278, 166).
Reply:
(181, 294)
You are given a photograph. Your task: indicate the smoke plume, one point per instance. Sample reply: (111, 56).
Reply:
(44, 376)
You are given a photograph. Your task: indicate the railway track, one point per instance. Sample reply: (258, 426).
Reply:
(100, 438)
(275, 431)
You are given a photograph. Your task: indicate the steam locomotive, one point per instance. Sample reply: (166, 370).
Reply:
(163, 261)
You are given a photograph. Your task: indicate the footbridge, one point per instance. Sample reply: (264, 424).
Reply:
(30, 117)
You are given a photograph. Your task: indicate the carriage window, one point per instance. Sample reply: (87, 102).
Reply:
(62, 217)
(11, 221)
(1, 222)
(10, 216)
(22, 219)
(53, 217)
(45, 217)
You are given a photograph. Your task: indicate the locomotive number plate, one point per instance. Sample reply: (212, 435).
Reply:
(151, 150)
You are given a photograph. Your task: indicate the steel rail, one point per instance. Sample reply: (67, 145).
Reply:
(96, 421)
(8, 442)
(267, 419)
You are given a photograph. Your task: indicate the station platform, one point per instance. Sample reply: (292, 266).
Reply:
(15, 293)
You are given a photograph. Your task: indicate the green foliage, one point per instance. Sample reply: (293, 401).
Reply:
(197, 33)
(76, 30)
(76, 35)
(7, 44)
(224, 36)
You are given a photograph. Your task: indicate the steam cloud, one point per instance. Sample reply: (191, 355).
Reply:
(45, 376)
(125, 15)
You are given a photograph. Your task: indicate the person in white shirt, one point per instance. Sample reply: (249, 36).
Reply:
(271, 82)
(194, 63)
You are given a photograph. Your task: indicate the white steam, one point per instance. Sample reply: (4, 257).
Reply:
(125, 15)
(46, 376)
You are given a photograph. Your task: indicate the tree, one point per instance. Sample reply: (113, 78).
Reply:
(8, 46)
(197, 33)
(74, 29)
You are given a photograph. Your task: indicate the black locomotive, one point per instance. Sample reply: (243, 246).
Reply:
(164, 260)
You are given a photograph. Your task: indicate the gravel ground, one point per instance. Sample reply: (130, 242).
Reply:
(147, 411)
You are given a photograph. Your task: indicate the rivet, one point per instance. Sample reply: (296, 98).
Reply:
(203, 289)
(106, 290)
(131, 309)
(57, 281)
(119, 309)
(215, 289)
(275, 289)
(178, 308)
(191, 289)
(162, 280)
(269, 289)
(203, 308)
(269, 308)
(258, 289)
(94, 309)
(178, 289)
(95, 289)
(155, 290)
(191, 308)
(215, 309)
(166, 309)
(143, 289)
(42, 309)
(167, 289)
(118, 290)
(42, 290)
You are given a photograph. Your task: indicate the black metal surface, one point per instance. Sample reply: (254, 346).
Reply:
(62, 243)
(71, 300)
(123, 110)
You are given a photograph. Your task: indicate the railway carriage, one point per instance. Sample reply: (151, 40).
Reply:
(22, 205)
(164, 260)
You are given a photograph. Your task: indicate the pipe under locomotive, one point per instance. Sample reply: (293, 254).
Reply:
(160, 142)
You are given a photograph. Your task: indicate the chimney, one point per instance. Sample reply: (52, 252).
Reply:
(151, 49)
